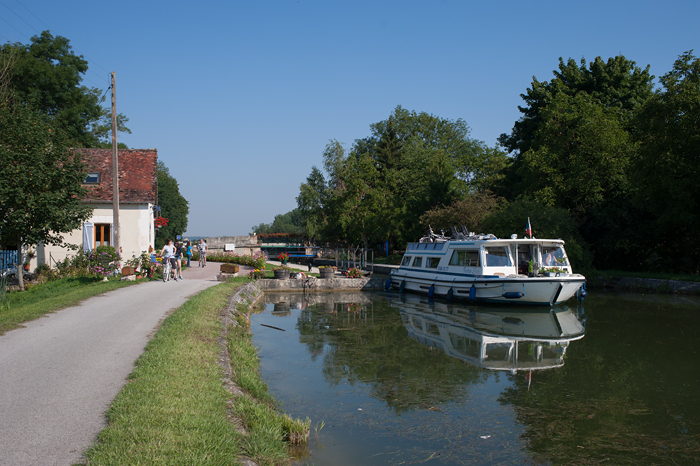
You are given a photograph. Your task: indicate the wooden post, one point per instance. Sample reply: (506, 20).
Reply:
(115, 170)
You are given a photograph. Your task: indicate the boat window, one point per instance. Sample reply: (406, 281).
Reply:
(499, 351)
(406, 260)
(464, 345)
(465, 257)
(553, 256)
(432, 262)
(497, 256)
(418, 262)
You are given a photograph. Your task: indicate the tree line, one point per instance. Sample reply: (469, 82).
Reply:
(44, 111)
(599, 157)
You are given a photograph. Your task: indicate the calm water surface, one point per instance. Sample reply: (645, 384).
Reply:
(390, 379)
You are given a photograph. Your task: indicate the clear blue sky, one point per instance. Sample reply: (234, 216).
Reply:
(240, 98)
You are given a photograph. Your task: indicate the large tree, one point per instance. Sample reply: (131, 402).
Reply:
(573, 148)
(616, 84)
(410, 163)
(173, 206)
(41, 180)
(47, 75)
(668, 129)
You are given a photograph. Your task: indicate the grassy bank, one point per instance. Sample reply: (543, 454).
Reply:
(19, 307)
(175, 410)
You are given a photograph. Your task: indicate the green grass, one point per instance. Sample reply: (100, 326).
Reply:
(175, 410)
(19, 307)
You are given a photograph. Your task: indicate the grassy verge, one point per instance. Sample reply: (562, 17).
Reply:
(175, 410)
(20, 307)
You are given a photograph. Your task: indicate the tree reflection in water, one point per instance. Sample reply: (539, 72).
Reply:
(429, 387)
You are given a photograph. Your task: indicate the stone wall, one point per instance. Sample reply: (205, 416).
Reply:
(244, 244)
(314, 284)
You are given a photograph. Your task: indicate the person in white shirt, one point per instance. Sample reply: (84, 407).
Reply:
(202, 247)
(168, 254)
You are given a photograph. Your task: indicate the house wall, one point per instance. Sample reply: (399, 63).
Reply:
(136, 227)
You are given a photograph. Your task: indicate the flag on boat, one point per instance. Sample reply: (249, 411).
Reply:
(528, 228)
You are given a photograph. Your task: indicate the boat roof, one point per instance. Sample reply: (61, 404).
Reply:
(494, 240)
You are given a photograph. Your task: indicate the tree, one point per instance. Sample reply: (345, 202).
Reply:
(173, 206)
(616, 84)
(47, 76)
(579, 155)
(311, 201)
(469, 211)
(547, 222)
(283, 223)
(41, 183)
(668, 129)
(412, 162)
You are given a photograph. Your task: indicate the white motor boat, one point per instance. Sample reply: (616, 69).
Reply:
(484, 268)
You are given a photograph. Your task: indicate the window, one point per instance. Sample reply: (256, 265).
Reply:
(432, 262)
(92, 178)
(418, 262)
(406, 260)
(103, 234)
(497, 256)
(554, 256)
(466, 258)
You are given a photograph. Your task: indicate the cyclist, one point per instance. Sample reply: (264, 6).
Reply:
(168, 255)
(202, 247)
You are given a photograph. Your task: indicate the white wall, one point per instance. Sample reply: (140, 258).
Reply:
(136, 227)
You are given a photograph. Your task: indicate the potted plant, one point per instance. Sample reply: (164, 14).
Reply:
(531, 268)
(326, 271)
(283, 257)
(26, 265)
(281, 273)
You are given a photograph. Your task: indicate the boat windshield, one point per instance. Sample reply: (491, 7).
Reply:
(554, 256)
(497, 256)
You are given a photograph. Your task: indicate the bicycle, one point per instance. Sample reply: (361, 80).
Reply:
(166, 269)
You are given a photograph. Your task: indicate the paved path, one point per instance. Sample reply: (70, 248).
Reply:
(59, 374)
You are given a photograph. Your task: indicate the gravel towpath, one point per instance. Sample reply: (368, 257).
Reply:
(59, 373)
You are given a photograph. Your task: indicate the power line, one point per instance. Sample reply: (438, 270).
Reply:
(49, 28)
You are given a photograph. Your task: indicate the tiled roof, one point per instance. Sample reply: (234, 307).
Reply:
(138, 175)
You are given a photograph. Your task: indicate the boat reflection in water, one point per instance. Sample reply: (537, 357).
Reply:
(495, 338)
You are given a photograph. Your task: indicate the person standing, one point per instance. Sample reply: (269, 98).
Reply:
(168, 254)
(202, 246)
(178, 260)
(188, 251)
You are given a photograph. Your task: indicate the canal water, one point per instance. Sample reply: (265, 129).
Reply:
(389, 379)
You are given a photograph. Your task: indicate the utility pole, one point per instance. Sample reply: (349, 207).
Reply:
(115, 170)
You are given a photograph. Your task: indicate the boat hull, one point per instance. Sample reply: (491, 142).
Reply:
(535, 291)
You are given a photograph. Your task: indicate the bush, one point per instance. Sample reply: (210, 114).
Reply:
(257, 260)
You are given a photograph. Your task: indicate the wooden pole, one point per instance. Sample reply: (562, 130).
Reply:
(115, 170)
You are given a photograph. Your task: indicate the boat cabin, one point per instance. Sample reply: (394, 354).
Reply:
(494, 257)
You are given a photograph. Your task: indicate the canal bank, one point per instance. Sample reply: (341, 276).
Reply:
(646, 285)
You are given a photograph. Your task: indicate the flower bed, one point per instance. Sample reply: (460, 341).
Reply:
(257, 260)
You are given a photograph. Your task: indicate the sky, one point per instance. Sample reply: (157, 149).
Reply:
(241, 98)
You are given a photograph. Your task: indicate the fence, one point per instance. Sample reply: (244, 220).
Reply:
(7, 258)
